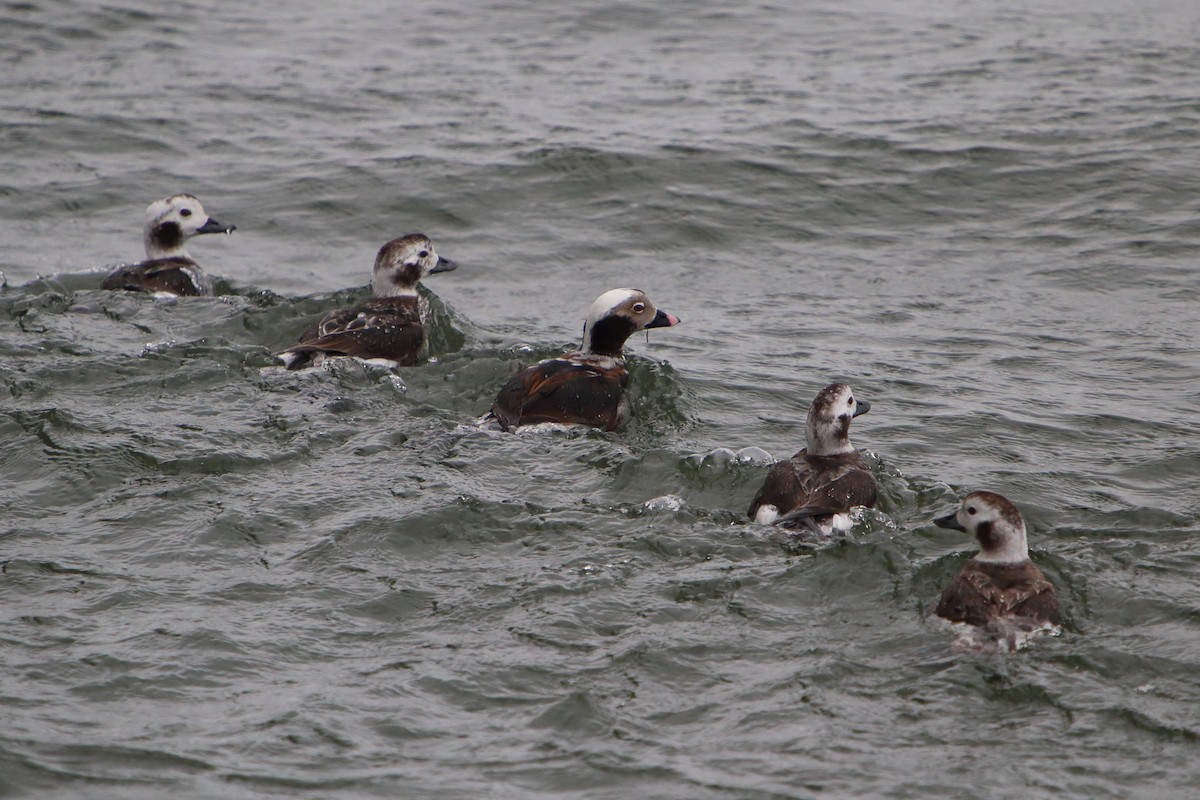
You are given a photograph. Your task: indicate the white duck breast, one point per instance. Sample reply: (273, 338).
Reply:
(585, 387)
(168, 268)
(814, 491)
(393, 325)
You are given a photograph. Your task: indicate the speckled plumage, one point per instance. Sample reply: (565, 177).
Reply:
(392, 325)
(984, 592)
(827, 478)
(1000, 581)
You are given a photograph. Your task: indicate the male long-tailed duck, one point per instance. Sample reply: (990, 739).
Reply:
(586, 387)
(999, 590)
(390, 326)
(168, 269)
(814, 490)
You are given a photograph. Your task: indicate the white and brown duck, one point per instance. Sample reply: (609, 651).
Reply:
(168, 269)
(585, 387)
(1000, 593)
(815, 490)
(393, 325)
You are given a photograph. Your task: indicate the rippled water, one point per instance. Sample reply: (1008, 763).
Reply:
(222, 579)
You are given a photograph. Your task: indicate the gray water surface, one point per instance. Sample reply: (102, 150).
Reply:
(219, 579)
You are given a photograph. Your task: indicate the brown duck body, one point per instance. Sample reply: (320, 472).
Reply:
(817, 486)
(983, 593)
(177, 275)
(571, 391)
(384, 327)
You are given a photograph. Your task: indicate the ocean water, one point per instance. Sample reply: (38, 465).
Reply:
(219, 579)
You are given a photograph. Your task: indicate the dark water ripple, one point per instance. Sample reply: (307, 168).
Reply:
(223, 579)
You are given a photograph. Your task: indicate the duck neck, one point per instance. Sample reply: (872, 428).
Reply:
(607, 336)
(164, 240)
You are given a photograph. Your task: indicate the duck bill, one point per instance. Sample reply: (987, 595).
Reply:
(663, 320)
(863, 407)
(444, 265)
(212, 226)
(949, 521)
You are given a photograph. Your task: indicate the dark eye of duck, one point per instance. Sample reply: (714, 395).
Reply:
(970, 509)
(849, 401)
(185, 212)
(639, 308)
(423, 253)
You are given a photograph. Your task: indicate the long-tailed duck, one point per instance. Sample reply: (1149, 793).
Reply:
(814, 490)
(999, 589)
(168, 269)
(586, 387)
(390, 326)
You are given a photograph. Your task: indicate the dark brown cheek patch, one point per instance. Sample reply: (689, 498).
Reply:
(408, 275)
(987, 537)
(844, 426)
(167, 236)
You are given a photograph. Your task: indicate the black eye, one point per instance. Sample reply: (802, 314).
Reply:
(639, 308)
(850, 401)
(185, 212)
(971, 509)
(423, 253)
